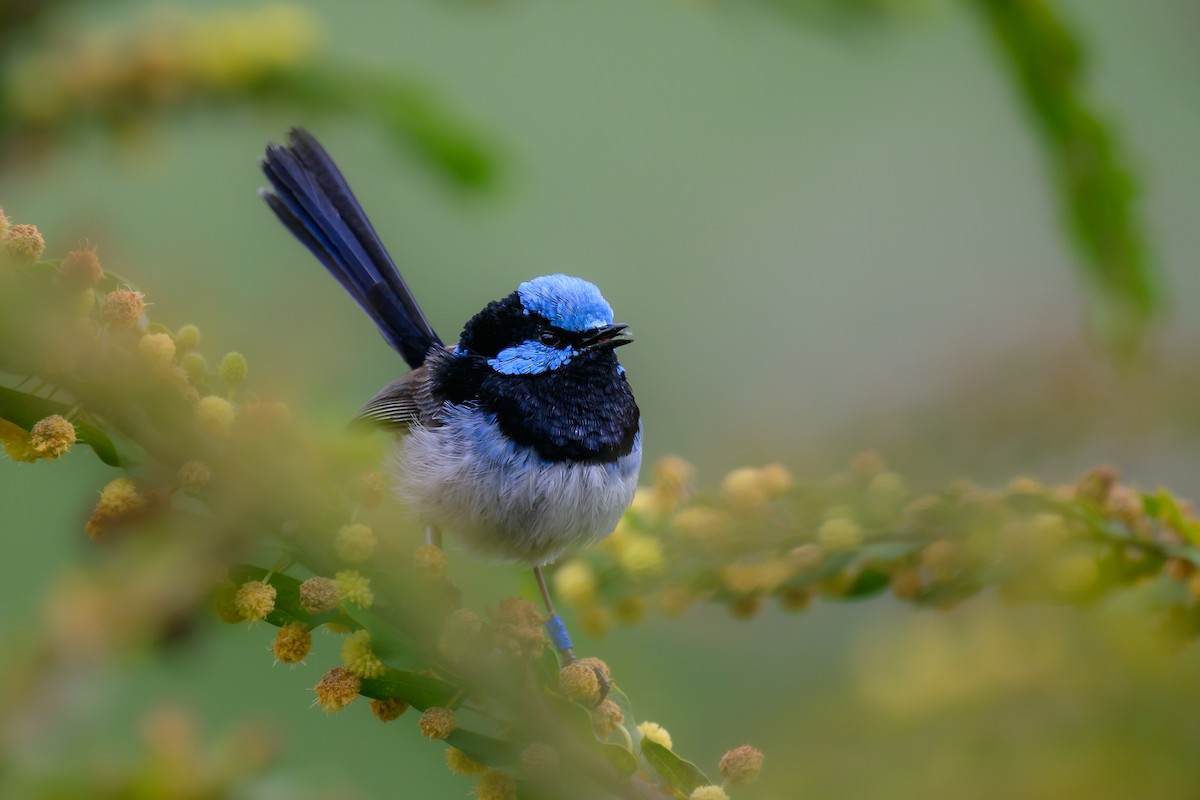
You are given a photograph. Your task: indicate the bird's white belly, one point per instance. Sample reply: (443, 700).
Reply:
(502, 499)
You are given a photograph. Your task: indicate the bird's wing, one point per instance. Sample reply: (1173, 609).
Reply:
(396, 406)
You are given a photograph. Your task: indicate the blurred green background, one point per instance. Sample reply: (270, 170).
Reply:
(828, 234)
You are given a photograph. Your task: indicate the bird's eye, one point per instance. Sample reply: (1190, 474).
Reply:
(550, 339)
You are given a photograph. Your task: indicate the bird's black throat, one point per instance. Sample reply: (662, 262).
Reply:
(583, 411)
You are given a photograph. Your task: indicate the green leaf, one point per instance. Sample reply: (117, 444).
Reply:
(682, 775)
(25, 410)
(417, 689)
(485, 749)
(579, 719)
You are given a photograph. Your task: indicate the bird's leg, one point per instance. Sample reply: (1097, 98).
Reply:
(559, 636)
(433, 536)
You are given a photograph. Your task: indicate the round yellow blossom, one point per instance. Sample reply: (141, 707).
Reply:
(743, 488)
(24, 243)
(630, 610)
(158, 349)
(517, 628)
(52, 436)
(81, 268)
(906, 583)
(741, 765)
(807, 557)
(462, 764)
(195, 365)
(867, 464)
(255, 600)
(122, 308)
(746, 607)
(642, 557)
(193, 476)
(575, 582)
(355, 543)
(539, 761)
(187, 337)
(648, 503)
(358, 658)
(886, 493)
(430, 560)
(119, 500)
(292, 643)
(839, 533)
(775, 478)
(1023, 484)
(701, 524)
(232, 369)
(496, 785)
(594, 664)
(318, 595)
(606, 717)
(673, 478)
(215, 415)
(595, 620)
(579, 683)
(437, 723)
(708, 793)
(388, 708)
(676, 599)
(369, 489)
(337, 689)
(795, 598)
(460, 634)
(942, 559)
(354, 587)
(656, 733)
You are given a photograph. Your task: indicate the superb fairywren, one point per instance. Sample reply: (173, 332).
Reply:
(523, 438)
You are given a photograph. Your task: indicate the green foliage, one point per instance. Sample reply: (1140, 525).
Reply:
(1095, 182)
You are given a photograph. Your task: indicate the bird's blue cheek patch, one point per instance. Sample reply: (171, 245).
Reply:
(530, 358)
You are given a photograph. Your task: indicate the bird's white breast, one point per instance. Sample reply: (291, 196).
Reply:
(502, 499)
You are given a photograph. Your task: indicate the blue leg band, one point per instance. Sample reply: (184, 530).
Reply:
(558, 633)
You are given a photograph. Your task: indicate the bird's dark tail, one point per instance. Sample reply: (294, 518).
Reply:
(313, 200)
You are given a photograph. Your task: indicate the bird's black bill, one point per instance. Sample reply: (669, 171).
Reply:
(609, 337)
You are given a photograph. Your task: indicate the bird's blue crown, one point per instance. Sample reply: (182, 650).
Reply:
(572, 304)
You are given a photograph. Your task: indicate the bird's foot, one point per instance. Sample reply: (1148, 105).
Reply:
(562, 643)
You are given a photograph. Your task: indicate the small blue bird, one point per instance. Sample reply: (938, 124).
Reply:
(524, 438)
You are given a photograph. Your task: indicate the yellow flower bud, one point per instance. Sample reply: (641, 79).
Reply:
(496, 785)
(52, 436)
(840, 533)
(388, 709)
(337, 689)
(437, 723)
(430, 560)
(81, 268)
(122, 308)
(158, 349)
(187, 337)
(575, 582)
(232, 369)
(193, 476)
(743, 489)
(708, 793)
(606, 717)
(742, 765)
(354, 587)
(579, 683)
(214, 416)
(355, 543)
(292, 643)
(642, 557)
(358, 658)
(462, 764)
(255, 600)
(318, 595)
(656, 733)
(24, 243)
